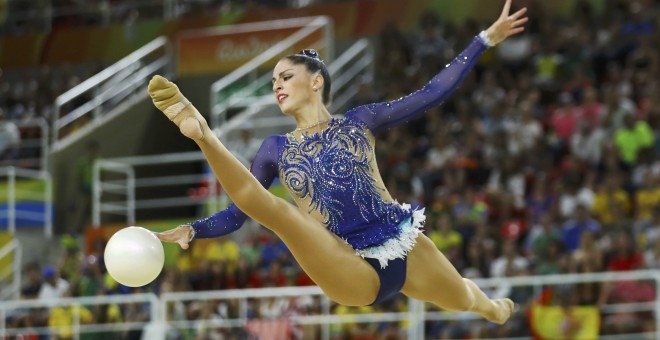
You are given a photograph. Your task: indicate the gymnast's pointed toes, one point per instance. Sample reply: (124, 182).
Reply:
(164, 93)
(157, 82)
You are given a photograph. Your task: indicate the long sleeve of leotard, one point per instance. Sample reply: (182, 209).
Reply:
(264, 169)
(380, 116)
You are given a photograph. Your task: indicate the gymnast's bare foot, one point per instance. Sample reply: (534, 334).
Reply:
(167, 98)
(504, 309)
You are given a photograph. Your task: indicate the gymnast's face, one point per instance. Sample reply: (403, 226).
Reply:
(293, 86)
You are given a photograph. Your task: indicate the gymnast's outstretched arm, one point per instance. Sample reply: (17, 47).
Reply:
(381, 116)
(264, 169)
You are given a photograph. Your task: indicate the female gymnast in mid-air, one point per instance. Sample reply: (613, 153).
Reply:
(347, 233)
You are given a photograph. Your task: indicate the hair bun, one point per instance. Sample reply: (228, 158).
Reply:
(310, 53)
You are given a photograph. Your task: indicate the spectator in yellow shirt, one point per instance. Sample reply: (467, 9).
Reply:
(607, 196)
(443, 235)
(647, 197)
(61, 318)
(225, 250)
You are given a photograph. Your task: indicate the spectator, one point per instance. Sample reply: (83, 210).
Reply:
(632, 137)
(573, 229)
(273, 250)
(509, 263)
(617, 107)
(72, 261)
(53, 285)
(540, 201)
(275, 276)
(652, 254)
(31, 286)
(592, 109)
(623, 255)
(10, 138)
(547, 64)
(572, 196)
(564, 119)
(526, 130)
(542, 235)
(587, 143)
(63, 318)
(609, 195)
(588, 255)
(443, 235)
(488, 95)
(92, 280)
(476, 264)
(551, 261)
(508, 179)
(225, 250)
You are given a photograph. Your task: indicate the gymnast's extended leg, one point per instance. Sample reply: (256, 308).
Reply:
(432, 278)
(329, 261)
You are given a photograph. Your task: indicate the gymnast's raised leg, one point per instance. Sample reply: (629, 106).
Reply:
(328, 260)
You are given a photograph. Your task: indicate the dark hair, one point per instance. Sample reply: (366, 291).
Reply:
(313, 63)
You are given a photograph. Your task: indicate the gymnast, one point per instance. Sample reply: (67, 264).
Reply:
(356, 242)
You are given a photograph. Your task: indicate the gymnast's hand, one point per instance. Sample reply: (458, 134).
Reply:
(506, 25)
(181, 235)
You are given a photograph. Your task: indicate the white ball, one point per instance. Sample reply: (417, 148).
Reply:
(134, 256)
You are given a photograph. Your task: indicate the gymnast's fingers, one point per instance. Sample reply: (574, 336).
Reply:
(505, 10)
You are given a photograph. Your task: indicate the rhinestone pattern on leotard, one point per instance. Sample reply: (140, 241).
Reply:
(333, 170)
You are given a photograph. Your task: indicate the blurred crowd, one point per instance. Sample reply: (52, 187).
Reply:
(29, 16)
(545, 161)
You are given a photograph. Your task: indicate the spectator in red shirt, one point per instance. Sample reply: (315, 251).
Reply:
(564, 119)
(624, 256)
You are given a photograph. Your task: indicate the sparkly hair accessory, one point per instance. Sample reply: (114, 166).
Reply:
(310, 53)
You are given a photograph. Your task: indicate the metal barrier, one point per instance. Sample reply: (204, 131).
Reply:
(416, 315)
(15, 195)
(11, 289)
(10, 311)
(88, 101)
(127, 187)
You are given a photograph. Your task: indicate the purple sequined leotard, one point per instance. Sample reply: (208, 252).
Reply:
(332, 170)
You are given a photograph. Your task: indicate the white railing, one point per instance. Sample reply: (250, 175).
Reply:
(127, 186)
(356, 62)
(108, 88)
(416, 315)
(9, 309)
(224, 94)
(15, 195)
(11, 290)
